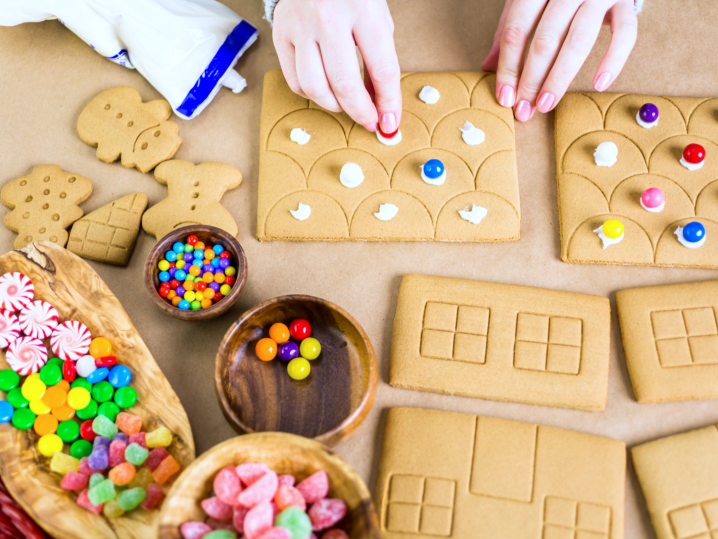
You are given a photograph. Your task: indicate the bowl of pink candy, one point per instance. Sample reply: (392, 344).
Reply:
(268, 486)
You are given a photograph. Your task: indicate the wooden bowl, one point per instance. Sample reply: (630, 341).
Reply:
(283, 453)
(328, 405)
(208, 235)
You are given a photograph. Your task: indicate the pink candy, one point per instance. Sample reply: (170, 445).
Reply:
(262, 490)
(286, 479)
(139, 439)
(327, 512)
(74, 481)
(315, 487)
(155, 458)
(335, 533)
(194, 530)
(221, 524)
(288, 496)
(250, 472)
(84, 467)
(259, 519)
(227, 486)
(117, 453)
(276, 533)
(154, 496)
(238, 517)
(216, 508)
(83, 501)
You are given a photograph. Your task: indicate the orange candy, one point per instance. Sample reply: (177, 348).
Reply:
(266, 349)
(64, 384)
(206, 303)
(54, 397)
(171, 294)
(45, 424)
(176, 300)
(208, 277)
(279, 333)
(199, 246)
(63, 413)
(209, 293)
(188, 285)
(219, 278)
(122, 474)
(100, 347)
(165, 470)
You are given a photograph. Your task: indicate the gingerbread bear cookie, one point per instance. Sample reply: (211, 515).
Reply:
(44, 204)
(194, 197)
(123, 127)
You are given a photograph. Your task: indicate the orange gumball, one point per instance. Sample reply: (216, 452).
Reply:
(100, 347)
(206, 303)
(266, 349)
(176, 300)
(279, 333)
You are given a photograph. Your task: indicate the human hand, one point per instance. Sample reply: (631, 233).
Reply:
(315, 42)
(558, 35)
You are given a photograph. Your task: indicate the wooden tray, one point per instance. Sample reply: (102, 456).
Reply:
(78, 293)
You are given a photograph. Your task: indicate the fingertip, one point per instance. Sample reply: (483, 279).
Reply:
(491, 62)
(372, 127)
(507, 95)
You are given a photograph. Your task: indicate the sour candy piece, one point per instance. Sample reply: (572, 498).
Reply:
(216, 508)
(276, 533)
(227, 485)
(194, 530)
(249, 472)
(38, 319)
(159, 437)
(221, 534)
(155, 457)
(216, 524)
(83, 500)
(262, 490)
(326, 512)
(154, 497)
(128, 423)
(131, 498)
(112, 509)
(96, 479)
(70, 340)
(136, 454)
(62, 463)
(84, 467)
(165, 470)
(16, 291)
(139, 439)
(142, 478)
(288, 496)
(99, 459)
(117, 452)
(315, 487)
(295, 521)
(122, 474)
(102, 492)
(122, 437)
(286, 479)
(103, 426)
(74, 481)
(258, 520)
(238, 514)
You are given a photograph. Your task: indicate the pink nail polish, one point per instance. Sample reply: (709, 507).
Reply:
(388, 123)
(545, 102)
(603, 81)
(507, 96)
(523, 111)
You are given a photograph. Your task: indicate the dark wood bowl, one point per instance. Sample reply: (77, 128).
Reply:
(283, 453)
(208, 235)
(328, 405)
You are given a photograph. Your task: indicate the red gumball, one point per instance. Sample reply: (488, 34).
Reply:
(174, 283)
(86, 431)
(164, 292)
(200, 285)
(217, 297)
(694, 153)
(230, 279)
(68, 370)
(107, 361)
(300, 329)
(224, 254)
(192, 240)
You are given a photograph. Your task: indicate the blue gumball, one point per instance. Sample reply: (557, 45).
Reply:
(119, 376)
(164, 276)
(694, 232)
(6, 411)
(433, 169)
(178, 247)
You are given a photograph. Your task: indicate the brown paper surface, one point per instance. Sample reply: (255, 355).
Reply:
(47, 76)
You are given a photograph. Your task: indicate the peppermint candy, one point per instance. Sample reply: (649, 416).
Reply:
(26, 355)
(38, 319)
(16, 291)
(9, 328)
(70, 340)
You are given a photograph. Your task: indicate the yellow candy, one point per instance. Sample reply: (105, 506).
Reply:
(162, 436)
(78, 398)
(613, 228)
(62, 463)
(49, 445)
(33, 388)
(189, 296)
(299, 368)
(38, 407)
(199, 295)
(112, 509)
(180, 264)
(142, 478)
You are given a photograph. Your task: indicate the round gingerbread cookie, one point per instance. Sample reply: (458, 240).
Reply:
(38, 319)
(16, 291)
(26, 355)
(70, 340)
(9, 328)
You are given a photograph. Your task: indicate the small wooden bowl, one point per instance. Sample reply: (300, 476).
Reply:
(283, 453)
(328, 405)
(209, 235)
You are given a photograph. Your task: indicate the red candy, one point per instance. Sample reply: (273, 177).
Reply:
(224, 254)
(220, 524)
(83, 501)
(74, 481)
(174, 283)
(155, 458)
(229, 279)
(300, 329)
(217, 297)
(201, 286)
(164, 292)
(276, 533)
(117, 452)
(250, 472)
(694, 153)
(154, 496)
(107, 361)
(139, 439)
(69, 373)
(261, 491)
(326, 512)
(192, 240)
(315, 487)
(84, 467)
(286, 479)
(216, 508)
(288, 496)
(194, 530)
(86, 431)
(227, 486)
(259, 519)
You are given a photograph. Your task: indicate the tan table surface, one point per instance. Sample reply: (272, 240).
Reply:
(47, 75)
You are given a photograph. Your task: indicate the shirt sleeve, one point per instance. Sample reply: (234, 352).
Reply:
(269, 6)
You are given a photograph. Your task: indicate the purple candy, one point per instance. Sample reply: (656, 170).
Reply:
(224, 263)
(101, 441)
(180, 291)
(214, 286)
(208, 268)
(288, 351)
(122, 437)
(99, 459)
(648, 113)
(188, 257)
(172, 272)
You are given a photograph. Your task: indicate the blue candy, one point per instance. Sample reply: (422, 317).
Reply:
(178, 248)
(199, 253)
(433, 169)
(180, 275)
(164, 276)
(98, 375)
(184, 305)
(6, 411)
(119, 376)
(215, 262)
(171, 256)
(218, 249)
(694, 232)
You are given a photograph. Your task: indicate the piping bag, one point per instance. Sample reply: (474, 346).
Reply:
(186, 49)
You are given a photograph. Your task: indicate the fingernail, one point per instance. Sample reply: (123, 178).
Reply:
(388, 122)
(507, 96)
(371, 127)
(545, 102)
(523, 111)
(602, 82)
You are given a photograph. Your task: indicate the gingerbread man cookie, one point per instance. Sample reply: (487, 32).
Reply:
(123, 127)
(194, 197)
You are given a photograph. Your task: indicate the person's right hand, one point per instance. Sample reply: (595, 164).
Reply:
(315, 42)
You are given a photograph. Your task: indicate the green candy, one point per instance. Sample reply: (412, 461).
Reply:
(81, 448)
(102, 391)
(188, 248)
(220, 534)
(51, 374)
(23, 418)
(15, 398)
(68, 431)
(125, 397)
(102, 492)
(103, 426)
(81, 382)
(9, 379)
(136, 455)
(109, 409)
(295, 521)
(55, 361)
(96, 479)
(131, 498)
(89, 411)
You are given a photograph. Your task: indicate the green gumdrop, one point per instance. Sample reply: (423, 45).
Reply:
(136, 454)
(295, 521)
(112, 509)
(131, 498)
(95, 479)
(102, 492)
(220, 534)
(89, 411)
(103, 426)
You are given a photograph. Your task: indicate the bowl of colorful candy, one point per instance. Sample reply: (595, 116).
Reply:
(196, 272)
(273, 485)
(296, 364)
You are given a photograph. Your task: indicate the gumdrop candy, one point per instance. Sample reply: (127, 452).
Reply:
(96, 478)
(335, 533)
(227, 486)
(165, 470)
(84, 467)
(104, 426)
(121, 436)
(74, 481)
(131, 498)
(83, 500)
(62, 463)
(287, 479)
(155, 458)
(112, 509)
(136, 454)
(102, 492)
(287, 496)
(258, 520)
(139, 439)
(225, 524)
(276, 533)
(216, 508)
(122, 474)
(154, 497)
(142, 478)
(101, 441)
(327, 512)
(117, 452)
(250, 472)
(220, 534)
(128, 423)
(295, 521)
(194, 530)
(275, 509)
(315, 487)
(99, 459)
(262, 490)
(159, 437)
(238, 517)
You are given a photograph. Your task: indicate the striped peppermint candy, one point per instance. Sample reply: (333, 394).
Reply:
(16, 291)
(38, 319)
(9, 328)
(70, 340)
(26, 355)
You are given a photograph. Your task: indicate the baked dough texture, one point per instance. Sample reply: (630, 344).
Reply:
(446, 474)
(588, 194)
(484, 175)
